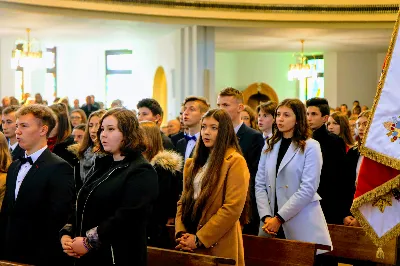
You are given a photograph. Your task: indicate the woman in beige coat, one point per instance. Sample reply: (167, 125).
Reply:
(5, 161)
(216, 181)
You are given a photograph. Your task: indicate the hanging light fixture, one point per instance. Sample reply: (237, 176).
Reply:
(27, 53)
(301, 70)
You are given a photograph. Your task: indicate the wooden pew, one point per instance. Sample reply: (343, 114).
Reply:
(166, 257)
(259, 251)
(352, 243)
(9, 263)
(271, 251)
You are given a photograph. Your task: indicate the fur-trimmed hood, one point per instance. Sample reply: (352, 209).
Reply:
(169, 160)
(74, 148)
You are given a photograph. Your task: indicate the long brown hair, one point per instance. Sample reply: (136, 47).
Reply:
(5, 156)
(153, 140)
(302, 130)
(81, 113)
(87, 141)
(63, 123)
(226, 138)
(345, 132)
(252, 115)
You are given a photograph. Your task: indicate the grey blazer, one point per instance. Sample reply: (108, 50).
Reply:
(295, 186)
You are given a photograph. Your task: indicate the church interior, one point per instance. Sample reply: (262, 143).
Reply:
(168, 50)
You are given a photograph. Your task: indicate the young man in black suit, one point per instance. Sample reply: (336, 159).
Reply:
(333, 151)
(175, 138)
(8, 121)
(251, 142)
(39, 196)
(150, 110)
(193, 109)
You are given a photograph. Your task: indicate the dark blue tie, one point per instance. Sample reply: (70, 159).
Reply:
(24, 160)
(187, 137)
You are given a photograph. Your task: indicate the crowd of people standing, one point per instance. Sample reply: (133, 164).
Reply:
(93, 187)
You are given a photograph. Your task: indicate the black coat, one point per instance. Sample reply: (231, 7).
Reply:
(167, 143)
(333, 175)
(17, 153)
(251, 143)
(30, 224)
(61, 149)
(168, 166)
(117, 199)
(349, 187)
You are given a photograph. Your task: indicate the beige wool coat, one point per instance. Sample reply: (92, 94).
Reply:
(219, 228)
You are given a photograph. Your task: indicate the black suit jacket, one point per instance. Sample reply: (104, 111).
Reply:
(181, 149)
(177, 137)
(29, 225)
(167, 143)
(333, 175)
(251, 143)
(17, 153)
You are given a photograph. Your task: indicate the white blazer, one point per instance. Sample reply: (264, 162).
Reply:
(296, 187)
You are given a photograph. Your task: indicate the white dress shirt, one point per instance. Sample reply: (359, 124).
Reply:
(238, 127)
(190, 145)
(12, 147)
(267, 137)
(25, 169)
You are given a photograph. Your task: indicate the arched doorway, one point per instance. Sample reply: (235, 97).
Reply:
(258, 93)
(160, 91)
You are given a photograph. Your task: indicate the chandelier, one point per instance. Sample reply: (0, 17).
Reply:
(301, 70)
(27, 53)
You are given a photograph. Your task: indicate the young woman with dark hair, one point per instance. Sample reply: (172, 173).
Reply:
(287, 179)
(113, 205)
(168, 165)
(60, 137)
(338, 124)
(216, 181)
(354, 160)
(87, 151)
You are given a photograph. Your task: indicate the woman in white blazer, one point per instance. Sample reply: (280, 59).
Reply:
(288, 177)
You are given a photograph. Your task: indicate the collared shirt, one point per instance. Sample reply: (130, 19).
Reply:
(12, 147)
(267, 137)
(238, 127)
(190, 145)
(25, 169)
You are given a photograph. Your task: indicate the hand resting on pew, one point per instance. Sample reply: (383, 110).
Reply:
(187, 242)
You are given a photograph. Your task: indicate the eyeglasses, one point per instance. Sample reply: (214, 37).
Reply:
(75, 117)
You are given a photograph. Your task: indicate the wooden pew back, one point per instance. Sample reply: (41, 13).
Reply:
(9, 263)
(260, 251)
(166, 257)
(353, 243)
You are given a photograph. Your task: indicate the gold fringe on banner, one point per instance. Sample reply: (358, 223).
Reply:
(369, 197)
(367, 152)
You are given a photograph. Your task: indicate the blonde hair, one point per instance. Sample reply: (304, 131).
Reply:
(5, 156)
